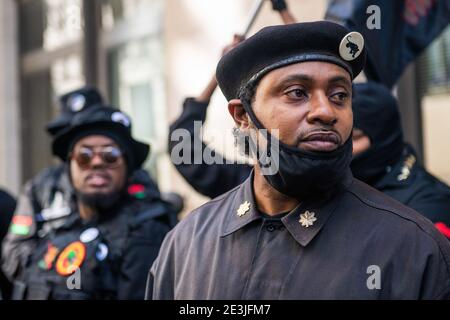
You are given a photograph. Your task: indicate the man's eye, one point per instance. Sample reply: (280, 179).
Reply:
(296, 94)
(339, 97)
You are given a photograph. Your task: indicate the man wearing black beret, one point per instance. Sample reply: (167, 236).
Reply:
(308, 229)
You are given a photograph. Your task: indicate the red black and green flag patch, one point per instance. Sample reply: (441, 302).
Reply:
(21, 225)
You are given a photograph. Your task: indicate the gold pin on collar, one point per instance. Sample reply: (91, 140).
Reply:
(307, 219)
(406, 169)
(243, 209)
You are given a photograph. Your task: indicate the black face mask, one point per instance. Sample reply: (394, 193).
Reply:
(376, 113)
(371, 165)
(302, 174)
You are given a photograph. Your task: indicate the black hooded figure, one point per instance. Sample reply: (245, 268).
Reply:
(391, 165)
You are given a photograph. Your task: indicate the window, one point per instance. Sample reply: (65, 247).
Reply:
(49, 24)
(434, 86)
(140, 93)
(125, 59)
(434, 66)
(63, 23)
(51, 64)
(115, 12)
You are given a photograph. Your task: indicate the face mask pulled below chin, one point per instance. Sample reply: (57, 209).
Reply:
(302, 174)
(299, 173)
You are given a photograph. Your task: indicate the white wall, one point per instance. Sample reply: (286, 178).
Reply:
(436, 133)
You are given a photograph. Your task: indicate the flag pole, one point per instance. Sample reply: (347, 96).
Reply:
(256, 9)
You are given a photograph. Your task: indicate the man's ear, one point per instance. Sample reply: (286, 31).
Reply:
(238, 113)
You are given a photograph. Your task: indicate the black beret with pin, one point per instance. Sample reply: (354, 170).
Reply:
(278, 46)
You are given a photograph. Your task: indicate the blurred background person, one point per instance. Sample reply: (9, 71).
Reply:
(382, 158)
(49, 195)
(113, 230)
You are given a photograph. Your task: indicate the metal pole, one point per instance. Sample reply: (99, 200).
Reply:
(91, 41)
(256, 9)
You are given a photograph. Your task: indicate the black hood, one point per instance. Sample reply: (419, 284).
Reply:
(375, 112)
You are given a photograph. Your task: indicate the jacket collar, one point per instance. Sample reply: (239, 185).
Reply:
(244, 211)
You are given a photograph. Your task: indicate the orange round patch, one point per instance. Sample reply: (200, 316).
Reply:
(71, 258)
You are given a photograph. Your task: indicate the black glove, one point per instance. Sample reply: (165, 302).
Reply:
(279, 5)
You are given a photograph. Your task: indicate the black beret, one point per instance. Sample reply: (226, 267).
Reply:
(278, 46)
(106, 121)
(71, 103)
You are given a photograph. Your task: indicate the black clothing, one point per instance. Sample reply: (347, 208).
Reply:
(130, 238)
(375, 112)
(279, 5)
(70, 104)
(390, 165)
(7, 207)
(408, 182)
(47, 215)
(226, 250)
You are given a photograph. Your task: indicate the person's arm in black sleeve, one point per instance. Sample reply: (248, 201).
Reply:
(282, 7)
(209, 180)
(432, 199)
(20, 239)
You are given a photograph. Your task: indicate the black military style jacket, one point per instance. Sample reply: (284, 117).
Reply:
(358, 244)
(44, 205)
(113, 256)
(409, 183)
(114, 264)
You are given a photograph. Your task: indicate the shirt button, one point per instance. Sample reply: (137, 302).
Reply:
(270, 228)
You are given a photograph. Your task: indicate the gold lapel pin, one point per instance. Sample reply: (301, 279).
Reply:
(307, 219)
(243, 209)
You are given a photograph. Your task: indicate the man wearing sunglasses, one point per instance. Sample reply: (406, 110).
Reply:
(109, 241)
(46, 197)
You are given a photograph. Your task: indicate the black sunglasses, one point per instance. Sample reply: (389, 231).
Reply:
(109, 155)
